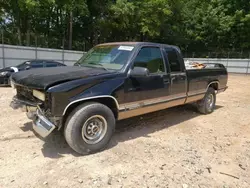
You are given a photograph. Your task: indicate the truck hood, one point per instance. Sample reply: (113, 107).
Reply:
(42, 78)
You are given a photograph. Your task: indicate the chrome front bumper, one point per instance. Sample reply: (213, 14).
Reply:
(42, 125)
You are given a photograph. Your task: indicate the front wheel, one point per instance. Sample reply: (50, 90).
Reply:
(207, 104)
(89, 128)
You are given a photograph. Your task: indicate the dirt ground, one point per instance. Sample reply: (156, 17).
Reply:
(172, 148)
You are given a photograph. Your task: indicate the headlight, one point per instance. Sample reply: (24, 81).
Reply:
(4, 73)
(38, 94)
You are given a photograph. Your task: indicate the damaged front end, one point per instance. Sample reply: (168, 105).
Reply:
(42, 125)
(33, 102)
(26, 106)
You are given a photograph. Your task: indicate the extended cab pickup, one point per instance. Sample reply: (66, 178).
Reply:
(113, 81)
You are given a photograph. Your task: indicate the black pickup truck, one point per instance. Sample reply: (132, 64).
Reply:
(113, 81)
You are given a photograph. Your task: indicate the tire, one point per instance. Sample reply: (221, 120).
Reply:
(207, 104)
(83, 122)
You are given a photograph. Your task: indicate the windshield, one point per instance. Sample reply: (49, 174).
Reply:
(109, 57)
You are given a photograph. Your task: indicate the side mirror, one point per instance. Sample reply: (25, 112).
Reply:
(139, 71)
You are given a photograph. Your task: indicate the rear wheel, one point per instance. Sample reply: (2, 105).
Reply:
(207, 104)
(89, 128)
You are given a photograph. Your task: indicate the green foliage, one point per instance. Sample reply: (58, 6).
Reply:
(153, 14)
(191, 24)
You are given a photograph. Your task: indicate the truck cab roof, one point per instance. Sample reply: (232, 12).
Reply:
(139, 44)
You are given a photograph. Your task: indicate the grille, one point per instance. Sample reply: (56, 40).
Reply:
(25, 93)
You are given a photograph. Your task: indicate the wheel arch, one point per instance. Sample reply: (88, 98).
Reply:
(214, 84)
(107, 100)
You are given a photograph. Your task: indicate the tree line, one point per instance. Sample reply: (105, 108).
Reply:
(194, 25)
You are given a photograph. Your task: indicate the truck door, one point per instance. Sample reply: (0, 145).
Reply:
(178, 77)
(147, 90)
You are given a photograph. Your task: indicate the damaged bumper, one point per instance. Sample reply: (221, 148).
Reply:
(22, 104)
(25, 106)
(41, 124)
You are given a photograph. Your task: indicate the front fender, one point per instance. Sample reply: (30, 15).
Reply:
(109, 88)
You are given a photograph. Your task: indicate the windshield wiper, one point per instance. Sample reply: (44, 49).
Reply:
(92, 63)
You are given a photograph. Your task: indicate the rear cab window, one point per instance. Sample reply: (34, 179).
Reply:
(173, 59)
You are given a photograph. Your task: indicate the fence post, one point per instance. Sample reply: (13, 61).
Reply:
(227, 59)
(248, 63)
(3, 50)
(63, 56)
(36, 46)
(63, 50)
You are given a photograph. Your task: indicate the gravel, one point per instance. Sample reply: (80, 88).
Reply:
(172, 148)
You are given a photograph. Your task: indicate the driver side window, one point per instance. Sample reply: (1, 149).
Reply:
(150, 58)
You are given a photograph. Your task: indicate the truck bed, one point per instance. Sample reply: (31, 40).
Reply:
(198, 79)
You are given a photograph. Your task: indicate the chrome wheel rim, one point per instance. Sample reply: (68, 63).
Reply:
(94, 129)
(210, 102)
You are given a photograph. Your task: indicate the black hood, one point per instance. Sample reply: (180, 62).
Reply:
(43, 78)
